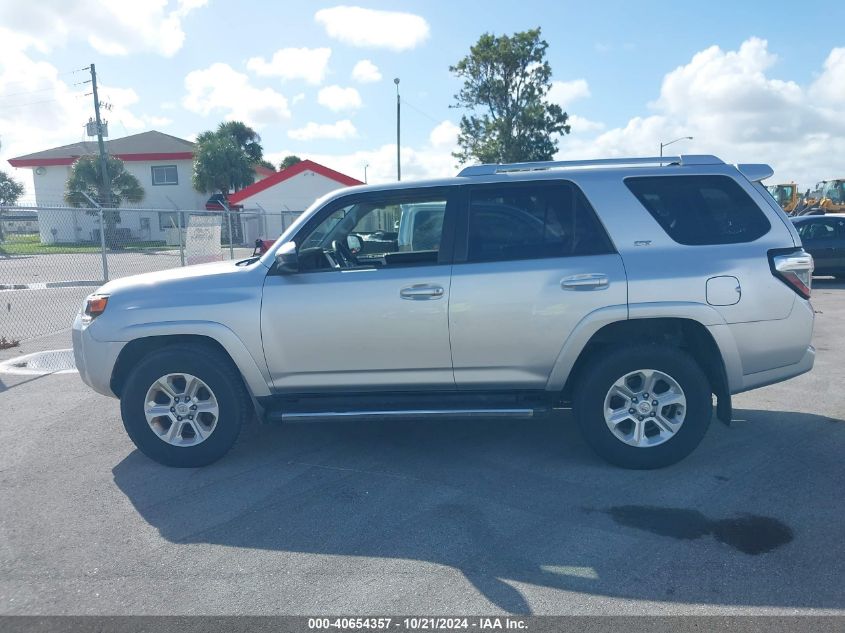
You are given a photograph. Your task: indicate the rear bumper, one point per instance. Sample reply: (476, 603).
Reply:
(770, 351)
(779, 374)
(95, 359)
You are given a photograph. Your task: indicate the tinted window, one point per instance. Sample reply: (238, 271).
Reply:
(813, 231)
(701, 209)
(529, 222)
(398, 232)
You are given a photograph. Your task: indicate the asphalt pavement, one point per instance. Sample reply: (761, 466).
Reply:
(426, 517)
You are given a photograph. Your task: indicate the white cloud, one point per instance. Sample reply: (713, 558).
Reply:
(110, 28)
(580, 124)
(565, 92)
(445, 134)
(830, 85)
(300, 96)
(39, 108)
(309, 64)
(221, 88)
(734, 109)
(366, 72)
(338, 131)
(426, 161)
(338, 99)
(357, 26)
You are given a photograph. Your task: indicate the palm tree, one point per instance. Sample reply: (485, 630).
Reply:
(86, 178)
(245, 137)
(288, 161)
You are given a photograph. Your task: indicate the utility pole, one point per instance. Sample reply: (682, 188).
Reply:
(398, 119)
(105, 194)
(662, 144)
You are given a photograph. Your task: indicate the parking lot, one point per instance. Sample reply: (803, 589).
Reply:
(427, 517)
(40, 294)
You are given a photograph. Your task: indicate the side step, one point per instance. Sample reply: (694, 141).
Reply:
(312, 416)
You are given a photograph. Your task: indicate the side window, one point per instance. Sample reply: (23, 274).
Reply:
(165, 175)
(376, 232)
(814, 231)
(532, 221)
(697, 210)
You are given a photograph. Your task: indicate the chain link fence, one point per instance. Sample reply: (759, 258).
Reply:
(52, 257)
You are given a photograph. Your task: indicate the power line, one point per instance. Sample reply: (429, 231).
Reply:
(26, 92)
(32, 92)
(22, 105)
(418, 111)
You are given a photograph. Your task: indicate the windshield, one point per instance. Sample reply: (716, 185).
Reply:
(834, 190)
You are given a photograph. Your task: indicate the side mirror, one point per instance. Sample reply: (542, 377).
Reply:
(287, 260)
(354, 243)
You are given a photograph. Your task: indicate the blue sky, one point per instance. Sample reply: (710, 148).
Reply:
(749, 81)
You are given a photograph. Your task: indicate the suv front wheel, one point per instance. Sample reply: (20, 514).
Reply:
(644, 406)
(184, 405)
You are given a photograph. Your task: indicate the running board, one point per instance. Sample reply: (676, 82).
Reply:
(311, 416)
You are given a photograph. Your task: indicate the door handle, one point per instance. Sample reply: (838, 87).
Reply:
(419, 292)
(586, 281)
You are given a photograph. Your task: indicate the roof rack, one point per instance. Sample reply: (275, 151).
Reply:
(686, 159)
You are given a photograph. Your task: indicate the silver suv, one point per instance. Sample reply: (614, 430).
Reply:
(631, 290)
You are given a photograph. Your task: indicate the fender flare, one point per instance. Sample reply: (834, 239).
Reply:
(701, 313)
(255, 377)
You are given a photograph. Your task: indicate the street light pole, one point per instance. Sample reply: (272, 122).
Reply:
(398, 119)
(365, 173)
(682, 138)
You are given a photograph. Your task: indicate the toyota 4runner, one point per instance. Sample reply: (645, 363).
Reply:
(631, 290)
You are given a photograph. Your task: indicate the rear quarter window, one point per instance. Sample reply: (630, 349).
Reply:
(700, 210)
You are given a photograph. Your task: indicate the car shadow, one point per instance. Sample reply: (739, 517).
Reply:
(515, 502)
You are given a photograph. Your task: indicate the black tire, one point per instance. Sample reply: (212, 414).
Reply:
(212, 367)
(609, 366)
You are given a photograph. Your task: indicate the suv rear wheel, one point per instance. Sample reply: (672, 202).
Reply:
(184, 405)
(644, 406)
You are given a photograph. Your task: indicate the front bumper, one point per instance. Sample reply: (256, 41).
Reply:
(95, 359)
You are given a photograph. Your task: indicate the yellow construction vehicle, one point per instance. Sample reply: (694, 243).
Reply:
(786, 196)
(833, 196)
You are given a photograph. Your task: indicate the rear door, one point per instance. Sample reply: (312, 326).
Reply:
(819, 238)
(839, 247)
(531, 261)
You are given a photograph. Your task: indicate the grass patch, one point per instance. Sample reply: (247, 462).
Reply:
(30, 244)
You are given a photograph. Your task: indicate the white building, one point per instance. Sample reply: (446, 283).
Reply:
(285, 194)
(162, 164)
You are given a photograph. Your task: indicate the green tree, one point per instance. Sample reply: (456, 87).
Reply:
(245, 137)
(86, 178)
(220, 165)
(10, 191)
(267, 164)
(506, 81)
(225, 158)
(288, 161)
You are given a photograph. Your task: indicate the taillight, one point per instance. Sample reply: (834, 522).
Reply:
(794, 268)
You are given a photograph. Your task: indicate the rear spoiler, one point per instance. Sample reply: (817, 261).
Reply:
(756, 172)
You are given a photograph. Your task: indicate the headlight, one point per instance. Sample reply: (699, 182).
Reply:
(95, 305)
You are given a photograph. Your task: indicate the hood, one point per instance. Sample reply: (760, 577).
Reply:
(198, 275)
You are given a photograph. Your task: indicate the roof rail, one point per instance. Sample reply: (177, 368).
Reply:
(687, 159)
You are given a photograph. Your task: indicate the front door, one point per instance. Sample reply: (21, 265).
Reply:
(535, 262)
(368, 307)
